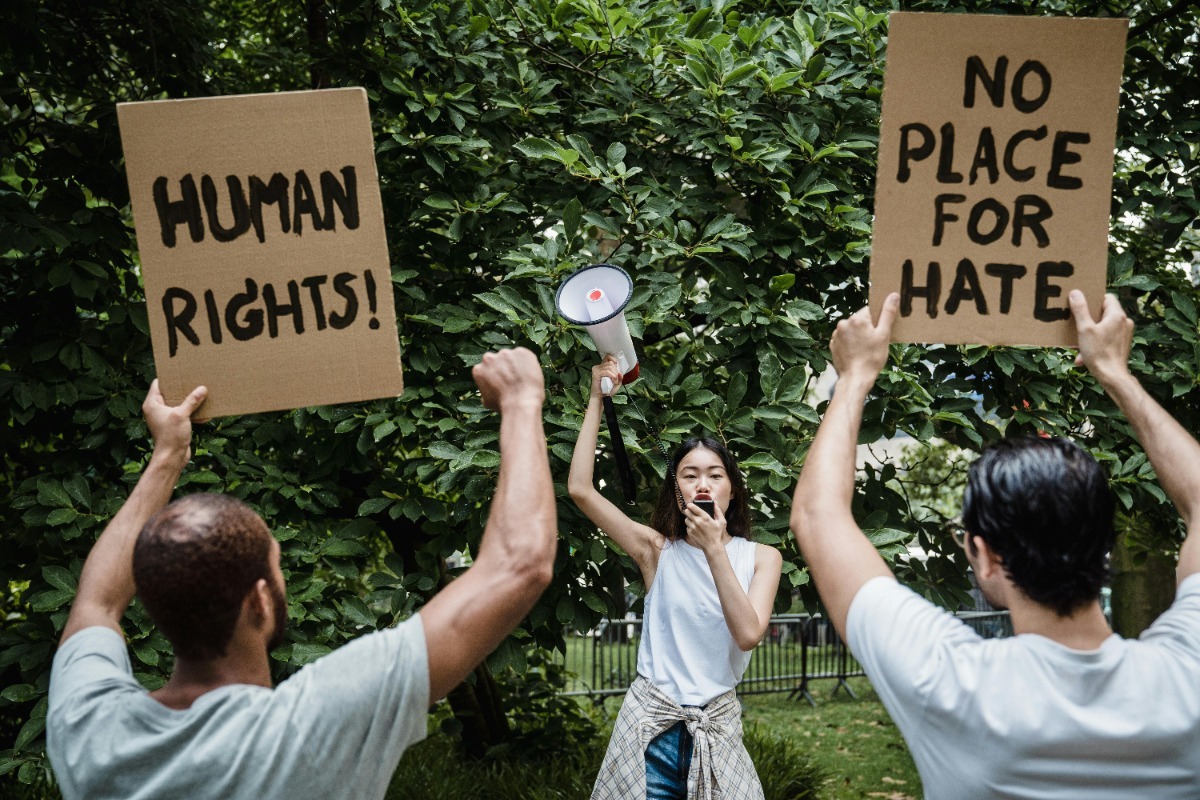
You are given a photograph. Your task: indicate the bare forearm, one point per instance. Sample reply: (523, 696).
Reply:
(743, 621)
(840, 557)
(583, 458)
(521, 527)
(826, 484)
(106, 585)
(1173, 451)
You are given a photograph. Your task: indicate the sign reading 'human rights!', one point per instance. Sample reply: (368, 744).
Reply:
(263, 251)
(995, 174)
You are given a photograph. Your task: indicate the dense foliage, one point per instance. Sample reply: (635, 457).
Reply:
(722, 153)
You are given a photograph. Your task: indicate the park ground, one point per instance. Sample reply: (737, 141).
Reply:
(850, 743)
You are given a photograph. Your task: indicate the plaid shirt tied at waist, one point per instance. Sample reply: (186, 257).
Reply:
(721, 768)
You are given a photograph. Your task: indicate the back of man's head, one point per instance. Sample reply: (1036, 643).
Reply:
(1043, 505)
(194, 563)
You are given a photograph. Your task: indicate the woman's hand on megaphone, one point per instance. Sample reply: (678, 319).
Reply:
(608, 368)
(510, 377)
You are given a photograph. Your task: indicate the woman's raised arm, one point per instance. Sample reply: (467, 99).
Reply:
(641, 542)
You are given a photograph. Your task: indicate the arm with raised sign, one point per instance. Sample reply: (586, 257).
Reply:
(839, 556)
(106, 585)
(1104, 349)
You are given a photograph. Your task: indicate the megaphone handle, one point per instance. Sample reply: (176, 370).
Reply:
(606, 386)
(618, 444)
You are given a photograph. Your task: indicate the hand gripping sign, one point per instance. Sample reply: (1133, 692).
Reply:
(263, 252)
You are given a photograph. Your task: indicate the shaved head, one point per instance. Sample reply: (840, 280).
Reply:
(195, 562)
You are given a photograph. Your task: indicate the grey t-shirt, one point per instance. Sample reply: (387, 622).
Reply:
(335, 729)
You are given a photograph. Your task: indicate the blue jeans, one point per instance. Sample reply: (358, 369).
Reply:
(668, 759)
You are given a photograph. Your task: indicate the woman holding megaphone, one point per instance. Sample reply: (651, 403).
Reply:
(709, 594)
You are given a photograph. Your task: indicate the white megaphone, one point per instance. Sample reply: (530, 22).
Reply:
(595, 297)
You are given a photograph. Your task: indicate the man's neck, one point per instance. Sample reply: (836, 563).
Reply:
(1086, 629)
(191, 679)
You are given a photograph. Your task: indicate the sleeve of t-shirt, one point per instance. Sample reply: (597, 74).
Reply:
(91, 668)
(1179, 626)
(366, 702)
(92, 660)
(901, 639)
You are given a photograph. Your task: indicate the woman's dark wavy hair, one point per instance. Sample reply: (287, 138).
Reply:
(1044, 506)
(667, 518)
(194, 562)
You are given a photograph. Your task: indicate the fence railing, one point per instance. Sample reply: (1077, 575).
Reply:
(797, 650)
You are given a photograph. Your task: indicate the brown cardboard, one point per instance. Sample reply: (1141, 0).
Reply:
(1066, 229)
(314, 153)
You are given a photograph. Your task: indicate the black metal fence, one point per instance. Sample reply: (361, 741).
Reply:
(797, 650)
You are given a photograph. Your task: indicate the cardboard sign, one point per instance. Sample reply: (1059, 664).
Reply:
(995, 174)
(263, 252)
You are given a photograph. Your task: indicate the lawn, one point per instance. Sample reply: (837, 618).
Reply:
(852, 740)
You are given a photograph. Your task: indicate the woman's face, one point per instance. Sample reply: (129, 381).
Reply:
(702, 470)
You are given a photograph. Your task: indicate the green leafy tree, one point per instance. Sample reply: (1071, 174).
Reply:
(722, 153)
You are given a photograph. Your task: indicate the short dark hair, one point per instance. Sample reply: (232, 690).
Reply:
(194, 562)
(667, 518)
(1044, 506)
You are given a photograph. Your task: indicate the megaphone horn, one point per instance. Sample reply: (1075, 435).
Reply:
(595, 297)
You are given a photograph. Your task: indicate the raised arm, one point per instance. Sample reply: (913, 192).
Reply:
(106, 585)
(839, 556)
(641, 542)
(1104, 349)
(470, 617)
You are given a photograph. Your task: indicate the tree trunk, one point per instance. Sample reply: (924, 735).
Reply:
(479, 710)
(1143, 586)
(317, 27)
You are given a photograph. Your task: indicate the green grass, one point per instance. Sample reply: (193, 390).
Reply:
(853, 741)
(847, 747)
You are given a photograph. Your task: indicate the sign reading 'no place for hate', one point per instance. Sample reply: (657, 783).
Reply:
(995, 174)
(263, 250)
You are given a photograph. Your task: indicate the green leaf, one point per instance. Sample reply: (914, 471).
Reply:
(881, 537)
(443, 450)
(373, 506)
(781, 283)
(441, 202)
(697, 22)
(62, 516)
(356, 611)
(59, 578)
(51, 493)
(19, 693)
(29, 731)
(572, 216)
(51, 600)
(303, 653)
(342, 548)
(535, 147)
(384, 429)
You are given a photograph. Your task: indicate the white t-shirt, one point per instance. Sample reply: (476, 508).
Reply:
(1026, 717)
(687, 649)
(335, 729)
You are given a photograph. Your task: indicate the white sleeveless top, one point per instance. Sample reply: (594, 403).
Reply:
(687, 649)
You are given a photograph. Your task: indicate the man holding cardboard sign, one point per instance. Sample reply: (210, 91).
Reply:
(1066, 708)
(207, 570)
